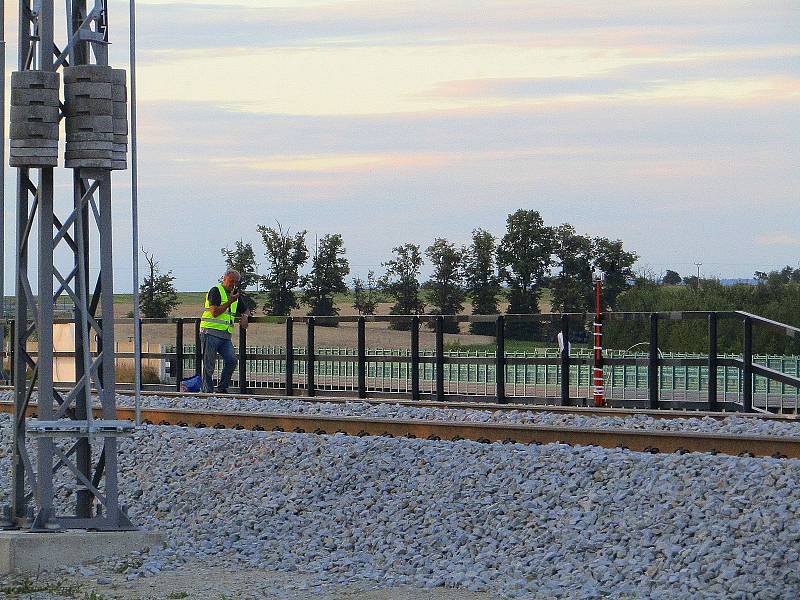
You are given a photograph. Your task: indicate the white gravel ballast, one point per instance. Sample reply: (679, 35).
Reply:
(517, 521)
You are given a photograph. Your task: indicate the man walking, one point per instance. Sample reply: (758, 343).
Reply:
(216, 328)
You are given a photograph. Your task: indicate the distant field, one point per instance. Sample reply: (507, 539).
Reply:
(378, 334)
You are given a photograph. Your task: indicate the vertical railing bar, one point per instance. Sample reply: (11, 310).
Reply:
(415, 358)
(310, 385)
(440, 358)
(747, 368)
(178, 354)
(500, 360)
(652, 370)
(198, 350)
(713, 360)
(242, 359)
(289, 357)
(362, 358)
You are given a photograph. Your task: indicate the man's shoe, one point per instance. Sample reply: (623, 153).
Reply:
(225, 391)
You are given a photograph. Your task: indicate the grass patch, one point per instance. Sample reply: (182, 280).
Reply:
(176, 595)
(23, 586)
(129, 564)
(126, 374)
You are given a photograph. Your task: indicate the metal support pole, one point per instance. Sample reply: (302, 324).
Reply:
(137, 340)
(242, 359)
(500, 359)
(289, 356)
(747, 367)
(19, 503)
(415, 358)
(440, 358)
(178, 354)
(565, 362)
(310, 389)
(362, 358)
(712, 361)
(652, 369)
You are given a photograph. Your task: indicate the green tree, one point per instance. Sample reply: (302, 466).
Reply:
(401, 282)
(572, 288)
(242, 259)
(481, 279)
(780, 303)
(616, 264)
(285, 254)
(446, 286)
(329, 267)
(365, 295)
(524, 257)
(157, 294)
(671, 278)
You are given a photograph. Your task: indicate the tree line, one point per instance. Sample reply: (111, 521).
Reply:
(529, 258)
(776, 296)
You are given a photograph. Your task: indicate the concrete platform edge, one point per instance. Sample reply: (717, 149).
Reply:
(25, 552)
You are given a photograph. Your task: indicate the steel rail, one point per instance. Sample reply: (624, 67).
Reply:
(590, 411)
(636, 440)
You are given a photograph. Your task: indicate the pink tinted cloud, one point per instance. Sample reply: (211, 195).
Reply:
(778, 238)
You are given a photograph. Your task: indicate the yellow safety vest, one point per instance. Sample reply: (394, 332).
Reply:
(223, 321)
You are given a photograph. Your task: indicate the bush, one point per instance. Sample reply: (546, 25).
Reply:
(779, 302)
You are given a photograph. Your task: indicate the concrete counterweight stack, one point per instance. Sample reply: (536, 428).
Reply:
(96, 108)
(34, 119)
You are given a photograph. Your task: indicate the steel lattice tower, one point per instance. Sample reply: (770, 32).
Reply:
(66, 431)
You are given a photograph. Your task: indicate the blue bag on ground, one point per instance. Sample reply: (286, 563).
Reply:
(191, 384)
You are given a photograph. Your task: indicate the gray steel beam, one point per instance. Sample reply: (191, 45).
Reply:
(97, 484)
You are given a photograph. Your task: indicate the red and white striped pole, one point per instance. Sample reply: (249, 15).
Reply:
(599, 390)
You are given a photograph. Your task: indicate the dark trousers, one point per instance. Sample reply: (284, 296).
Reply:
(213, 345)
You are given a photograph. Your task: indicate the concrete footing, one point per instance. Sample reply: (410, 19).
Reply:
(25, 552)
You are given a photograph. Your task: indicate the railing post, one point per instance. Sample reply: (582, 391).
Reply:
(415, 358)
(11, 350)
(565, 362)
(652, 368)
(712, 361)
(747, 367)
(440, 358)
(362, 357)
(500, 359)
(138, 357)
(289, 356)
(242, 359)
(178, 354)
(310, 390)
(198, 350)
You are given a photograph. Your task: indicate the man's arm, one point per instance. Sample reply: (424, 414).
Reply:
(213, 299)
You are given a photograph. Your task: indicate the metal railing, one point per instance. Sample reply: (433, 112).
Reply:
(652, 379)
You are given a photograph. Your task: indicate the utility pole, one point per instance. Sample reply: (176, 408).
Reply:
(698, 265)
(94, 112)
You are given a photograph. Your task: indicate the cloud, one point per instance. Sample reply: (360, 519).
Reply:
(778, 238)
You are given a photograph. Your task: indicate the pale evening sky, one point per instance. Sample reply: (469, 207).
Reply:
(673, 126)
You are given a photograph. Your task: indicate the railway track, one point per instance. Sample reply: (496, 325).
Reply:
(487, 406)
(636, 440)
(490, 406)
